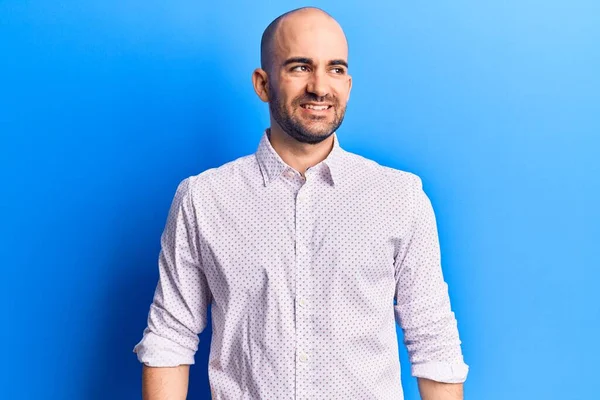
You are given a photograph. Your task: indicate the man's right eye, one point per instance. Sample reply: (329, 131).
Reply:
(299, 66)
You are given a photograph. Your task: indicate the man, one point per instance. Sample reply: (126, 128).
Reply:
(302, 249)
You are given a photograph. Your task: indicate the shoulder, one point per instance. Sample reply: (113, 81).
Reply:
(374, 171)
(221, 177)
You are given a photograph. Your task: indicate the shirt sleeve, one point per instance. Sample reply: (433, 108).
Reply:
(422, 307)
(178, 312)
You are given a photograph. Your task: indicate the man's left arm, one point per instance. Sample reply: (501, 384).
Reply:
(433, 390)
(423, 310)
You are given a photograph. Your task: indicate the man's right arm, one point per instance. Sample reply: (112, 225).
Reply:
(165, 383)
(178, 312)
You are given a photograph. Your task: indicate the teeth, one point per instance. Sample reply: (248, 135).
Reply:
(311, 107)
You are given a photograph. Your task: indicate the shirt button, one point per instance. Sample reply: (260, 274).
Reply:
(303, 357)
(302, 302)
(301, 197)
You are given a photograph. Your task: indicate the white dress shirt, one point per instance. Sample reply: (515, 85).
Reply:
(306, 278)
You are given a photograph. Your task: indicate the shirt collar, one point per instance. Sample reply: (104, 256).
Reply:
(272, 166)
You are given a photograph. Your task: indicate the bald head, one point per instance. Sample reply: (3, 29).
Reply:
(287, 25)
(304, 75)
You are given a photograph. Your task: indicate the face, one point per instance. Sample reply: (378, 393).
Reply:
(309, 84)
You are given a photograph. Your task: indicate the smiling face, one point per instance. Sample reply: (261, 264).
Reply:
(308, 82)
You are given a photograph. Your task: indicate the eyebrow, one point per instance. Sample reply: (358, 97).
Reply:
(304, 60)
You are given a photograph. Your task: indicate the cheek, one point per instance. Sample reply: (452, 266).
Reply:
(291, 89)
(341, 91)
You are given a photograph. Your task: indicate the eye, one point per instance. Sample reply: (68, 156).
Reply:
(300, 66)
(339, 70)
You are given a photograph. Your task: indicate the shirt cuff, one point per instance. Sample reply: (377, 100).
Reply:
(157, 351)
(441, 371)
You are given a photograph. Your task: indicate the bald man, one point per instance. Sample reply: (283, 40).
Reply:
(307, 254)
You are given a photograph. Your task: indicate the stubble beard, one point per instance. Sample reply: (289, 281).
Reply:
(295, 128)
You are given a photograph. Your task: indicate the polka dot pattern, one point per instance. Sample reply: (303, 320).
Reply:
(306, 276)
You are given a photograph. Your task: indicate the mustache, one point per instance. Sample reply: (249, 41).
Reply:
(316, 99)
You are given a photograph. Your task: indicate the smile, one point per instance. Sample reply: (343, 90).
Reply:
(316, 107)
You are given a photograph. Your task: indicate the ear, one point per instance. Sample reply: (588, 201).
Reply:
(349, 86)
(260, 82)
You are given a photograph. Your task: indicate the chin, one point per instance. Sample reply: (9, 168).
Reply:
(320, 133)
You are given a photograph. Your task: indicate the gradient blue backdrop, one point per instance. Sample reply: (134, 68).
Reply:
(105, 106)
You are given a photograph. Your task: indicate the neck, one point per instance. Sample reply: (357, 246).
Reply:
(298, 155)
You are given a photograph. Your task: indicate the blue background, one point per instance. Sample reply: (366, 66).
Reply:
(106, 106)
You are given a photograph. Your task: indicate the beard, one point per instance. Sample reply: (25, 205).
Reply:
(304, 131)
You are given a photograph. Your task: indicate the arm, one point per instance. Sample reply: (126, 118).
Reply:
(166, 383)
(422, 307)
(178, 312)
(432, 390)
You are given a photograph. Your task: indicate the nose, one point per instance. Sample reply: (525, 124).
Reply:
(317, 84)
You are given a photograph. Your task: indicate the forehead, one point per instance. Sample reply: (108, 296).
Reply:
(318, 38)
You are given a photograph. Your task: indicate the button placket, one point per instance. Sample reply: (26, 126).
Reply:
(303, 271)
